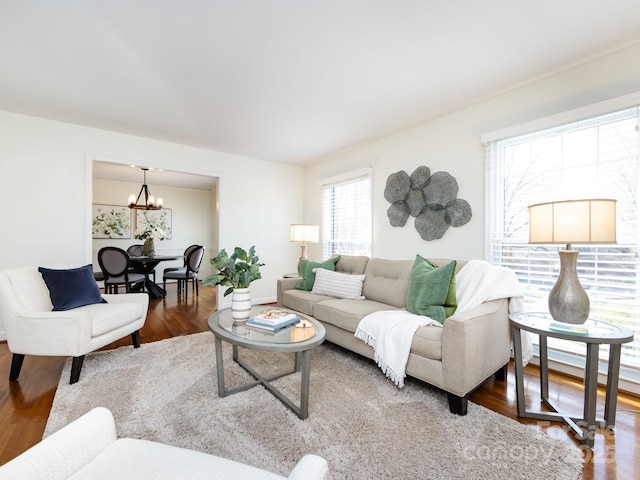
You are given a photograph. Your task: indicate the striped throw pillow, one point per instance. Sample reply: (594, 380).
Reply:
(336, 284)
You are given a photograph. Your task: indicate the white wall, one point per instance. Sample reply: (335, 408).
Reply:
(193, 214)
(452, 143)
(46, 194)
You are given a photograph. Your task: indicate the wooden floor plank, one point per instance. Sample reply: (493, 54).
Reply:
(25, 405)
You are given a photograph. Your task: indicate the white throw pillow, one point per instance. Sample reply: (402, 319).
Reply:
(336, 284)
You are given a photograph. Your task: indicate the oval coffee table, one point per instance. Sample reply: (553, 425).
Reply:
(299, 339)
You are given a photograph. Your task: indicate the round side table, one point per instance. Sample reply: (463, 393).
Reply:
(593, 333)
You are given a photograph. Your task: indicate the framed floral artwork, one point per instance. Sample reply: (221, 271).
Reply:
(110, 221)
(153, 224)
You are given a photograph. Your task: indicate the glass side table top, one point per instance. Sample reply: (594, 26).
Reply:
(305, 330)
(540, 322)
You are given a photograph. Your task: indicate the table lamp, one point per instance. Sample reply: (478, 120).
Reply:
(305, 234)
(567, 222)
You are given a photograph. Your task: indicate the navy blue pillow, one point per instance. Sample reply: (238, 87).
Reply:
(71, 288)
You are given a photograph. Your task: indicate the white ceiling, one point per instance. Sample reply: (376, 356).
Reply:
(286, 80)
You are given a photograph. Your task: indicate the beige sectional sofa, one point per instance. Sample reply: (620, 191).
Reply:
(469, 347)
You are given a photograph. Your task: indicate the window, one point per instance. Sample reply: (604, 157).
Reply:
(591, 157)
(346, 214)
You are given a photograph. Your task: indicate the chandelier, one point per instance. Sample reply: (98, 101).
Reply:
(150, 202)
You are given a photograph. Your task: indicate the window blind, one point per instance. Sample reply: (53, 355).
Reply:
(346, 215)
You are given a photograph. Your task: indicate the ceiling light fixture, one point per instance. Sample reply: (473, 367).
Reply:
(150, 202)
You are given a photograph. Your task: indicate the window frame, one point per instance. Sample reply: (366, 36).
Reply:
(564, 361)
(337, 181)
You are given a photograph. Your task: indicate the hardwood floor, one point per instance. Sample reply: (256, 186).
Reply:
(25, 405)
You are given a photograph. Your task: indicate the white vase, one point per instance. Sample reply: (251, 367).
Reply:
(240, 305)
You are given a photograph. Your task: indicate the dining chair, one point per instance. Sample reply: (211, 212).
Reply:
(184, 259)
(136, 251)
(116, 267)
(193, 259)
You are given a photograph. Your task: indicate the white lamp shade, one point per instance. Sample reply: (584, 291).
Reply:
(573, 221)
(305, 233)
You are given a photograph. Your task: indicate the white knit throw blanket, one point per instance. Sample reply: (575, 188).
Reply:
(390, 333)
(480, 281)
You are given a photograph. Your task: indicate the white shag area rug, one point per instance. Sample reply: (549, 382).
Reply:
(361, 423)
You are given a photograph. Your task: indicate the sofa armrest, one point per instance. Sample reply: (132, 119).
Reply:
(475, 344)
(49, 333)
(285, 284)
(66, 451)
(310, 467)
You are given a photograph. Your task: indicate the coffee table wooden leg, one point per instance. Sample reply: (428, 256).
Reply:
(296, 362)
(220, 368)
(304, 384)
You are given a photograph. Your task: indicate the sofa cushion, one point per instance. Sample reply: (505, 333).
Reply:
(72, 287)
(308, 276)
(301, 300)
(427, 342)
(387, 281)
(106, 318)
(352, 264)
(345, 313)
(337, 284)
(428, 288)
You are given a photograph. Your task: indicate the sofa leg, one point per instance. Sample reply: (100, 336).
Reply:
(501, 375)
(16, 365)
(76, 368)
(458, 405)
(135, 338)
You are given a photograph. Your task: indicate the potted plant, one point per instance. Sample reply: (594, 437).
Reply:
(236, 272)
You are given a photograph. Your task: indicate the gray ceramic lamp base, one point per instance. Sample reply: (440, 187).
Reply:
(568, 302)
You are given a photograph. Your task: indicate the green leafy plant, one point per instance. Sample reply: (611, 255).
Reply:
(235, 271)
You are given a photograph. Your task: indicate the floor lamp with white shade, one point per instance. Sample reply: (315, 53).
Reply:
(567, 222)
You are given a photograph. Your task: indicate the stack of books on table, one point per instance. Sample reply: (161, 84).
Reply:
(273, 320)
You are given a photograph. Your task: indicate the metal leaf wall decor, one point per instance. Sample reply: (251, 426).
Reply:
(431, 199)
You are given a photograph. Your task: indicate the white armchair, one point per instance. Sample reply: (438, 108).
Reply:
(88, 448)
(32, 327)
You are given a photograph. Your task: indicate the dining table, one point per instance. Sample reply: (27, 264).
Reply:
(145, 264)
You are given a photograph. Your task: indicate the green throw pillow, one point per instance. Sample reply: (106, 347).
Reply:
(306, 269)
(451, 302)
(429, 288)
